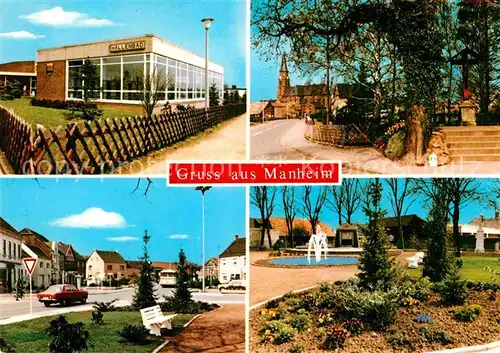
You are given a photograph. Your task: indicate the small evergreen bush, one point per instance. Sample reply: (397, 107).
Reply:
(467, 313)
(301, 322)
(97, 317)
(354, 326)
(453, 290)
(277, 331)
(296, 348)
(133, 334)
(105, 306)
(335, 338)
(67, 337)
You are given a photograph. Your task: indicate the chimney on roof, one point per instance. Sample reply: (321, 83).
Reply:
(497, 215)
(236, 237)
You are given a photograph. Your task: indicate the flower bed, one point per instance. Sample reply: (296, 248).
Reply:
(316, 320)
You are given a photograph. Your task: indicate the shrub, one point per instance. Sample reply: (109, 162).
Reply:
(325, 319)
(67, 337)
(418, 289)
(277, 331)
(272, 314)
(272, 304)
(436, 336)
(467, 313)
(105, 306)
(296, 348)
(376, 310)
(401, 339)
(134, 334)
(8, 347)
(301, 322)
(460, 263)
(335, 338)
(173, 304)
(492, 295)
(354, 326)
(453, 290)
(423, 318)
(59, 104)
(97, 317)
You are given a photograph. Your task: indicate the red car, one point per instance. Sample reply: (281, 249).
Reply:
(62, 294)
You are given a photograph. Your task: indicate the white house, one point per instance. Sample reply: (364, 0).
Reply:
(105, 265)
(11, 263)
(232, 262)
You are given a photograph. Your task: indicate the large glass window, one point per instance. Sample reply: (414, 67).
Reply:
(121, 75)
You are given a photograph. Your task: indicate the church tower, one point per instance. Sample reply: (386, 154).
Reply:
(283, 80)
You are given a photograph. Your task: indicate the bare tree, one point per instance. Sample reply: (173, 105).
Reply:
(346, 199)
(336, 203)
(263, 198)
(462, 191)
(288, 194)
(152, 85)
(400, 189)
(313, 204)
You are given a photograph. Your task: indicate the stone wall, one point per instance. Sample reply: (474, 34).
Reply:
(328, 134)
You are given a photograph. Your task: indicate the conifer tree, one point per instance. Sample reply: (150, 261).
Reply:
(182, 295)
(377, 271)
(145, 294)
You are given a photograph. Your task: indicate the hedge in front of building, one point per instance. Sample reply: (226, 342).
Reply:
(59, 104)
(469, 242)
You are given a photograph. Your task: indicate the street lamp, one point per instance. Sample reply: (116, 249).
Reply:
(203, 190)
(207, 22)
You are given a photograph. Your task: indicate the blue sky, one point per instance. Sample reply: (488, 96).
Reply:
(115, 219)
(26, 26)
(419, 207)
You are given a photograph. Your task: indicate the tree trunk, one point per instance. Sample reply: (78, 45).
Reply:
(456, 233)
(262, 235)
(328, 105)
(269, 238)
(401, 233)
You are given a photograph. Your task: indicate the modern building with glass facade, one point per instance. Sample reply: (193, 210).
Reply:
(120, 63)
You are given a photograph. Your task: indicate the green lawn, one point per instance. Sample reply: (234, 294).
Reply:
(28, 336)
(50, 117)
(473, 269)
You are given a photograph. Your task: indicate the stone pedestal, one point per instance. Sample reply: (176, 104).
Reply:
(468, 113)
(480, 240)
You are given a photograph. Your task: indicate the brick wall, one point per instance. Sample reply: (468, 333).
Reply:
(53, 86)
(333, 134)
(18, 66)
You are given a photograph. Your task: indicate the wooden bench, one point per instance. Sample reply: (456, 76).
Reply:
(154, 320)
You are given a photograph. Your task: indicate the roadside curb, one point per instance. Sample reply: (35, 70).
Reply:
(489, 347)
(164, 344)
(262, 303)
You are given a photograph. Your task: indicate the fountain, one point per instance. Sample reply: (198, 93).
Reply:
(317, 242)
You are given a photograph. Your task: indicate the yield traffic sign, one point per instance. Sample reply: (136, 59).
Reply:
(29, 264)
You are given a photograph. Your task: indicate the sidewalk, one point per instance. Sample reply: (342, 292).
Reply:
(226, 142)
(220, 331)
(367, 160)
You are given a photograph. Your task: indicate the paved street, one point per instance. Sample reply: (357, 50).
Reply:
(9, 308)
(285, 139)
(266, 141)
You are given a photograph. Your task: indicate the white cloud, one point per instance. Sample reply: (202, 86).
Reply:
(58, 17)
(178, 236)
(122, 239)
(20, 35)
(93, 217)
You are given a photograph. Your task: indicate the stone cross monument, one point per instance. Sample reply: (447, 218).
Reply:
(466, 58)
(480, 237)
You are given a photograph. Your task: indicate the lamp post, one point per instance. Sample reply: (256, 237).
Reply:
(207, 22)
(203, 190)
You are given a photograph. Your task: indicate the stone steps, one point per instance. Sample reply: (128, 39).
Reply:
(469, 144)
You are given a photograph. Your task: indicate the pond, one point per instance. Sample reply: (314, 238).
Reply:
(303, 261)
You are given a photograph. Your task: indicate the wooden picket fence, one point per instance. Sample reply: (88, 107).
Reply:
(100, 146)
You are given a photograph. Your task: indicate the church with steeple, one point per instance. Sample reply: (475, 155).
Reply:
(300, 100)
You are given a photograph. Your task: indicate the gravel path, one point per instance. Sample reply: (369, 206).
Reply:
(219, 331)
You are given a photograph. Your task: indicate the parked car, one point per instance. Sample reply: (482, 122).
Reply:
(62, 294)
(234, 284)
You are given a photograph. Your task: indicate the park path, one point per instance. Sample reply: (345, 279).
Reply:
(269, 282)
(226, 143)
(220, 331)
